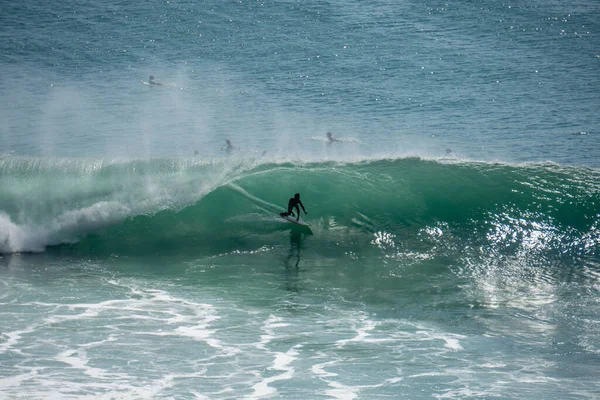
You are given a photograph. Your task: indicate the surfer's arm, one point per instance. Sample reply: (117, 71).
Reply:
(302, 207)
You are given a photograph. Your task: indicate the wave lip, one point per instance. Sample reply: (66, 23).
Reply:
(15, 238)
(46, 202)
(66, 228)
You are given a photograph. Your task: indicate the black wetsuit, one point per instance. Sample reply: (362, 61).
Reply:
(293, 203)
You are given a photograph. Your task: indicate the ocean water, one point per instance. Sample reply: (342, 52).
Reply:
(454, 241)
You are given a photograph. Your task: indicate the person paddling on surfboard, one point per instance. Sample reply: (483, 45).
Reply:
(151, 81)
(293, 203)
(331, 138)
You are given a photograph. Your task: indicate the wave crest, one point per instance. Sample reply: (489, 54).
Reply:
(125, 205)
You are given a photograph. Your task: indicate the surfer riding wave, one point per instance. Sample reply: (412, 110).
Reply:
(294, 202)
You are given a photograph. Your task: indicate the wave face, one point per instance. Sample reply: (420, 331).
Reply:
(435, 208)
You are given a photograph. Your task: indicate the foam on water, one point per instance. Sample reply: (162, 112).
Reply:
(223, 346)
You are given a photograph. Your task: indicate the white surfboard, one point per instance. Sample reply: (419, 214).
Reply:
(294, 221)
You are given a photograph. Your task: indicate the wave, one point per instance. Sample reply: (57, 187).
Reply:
(212, 206)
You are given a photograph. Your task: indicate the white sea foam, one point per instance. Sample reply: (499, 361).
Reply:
(281, 362)
(65, 228)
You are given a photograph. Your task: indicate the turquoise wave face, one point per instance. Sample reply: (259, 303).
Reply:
(209, 207)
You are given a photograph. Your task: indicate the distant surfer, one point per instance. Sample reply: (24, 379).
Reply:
(228, 146)
(331, 138)
(151, 81)
(294, 203)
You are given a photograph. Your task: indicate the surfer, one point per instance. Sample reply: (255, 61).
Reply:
(331, 138)
(151, 81)
(293, 203)
(229, 146)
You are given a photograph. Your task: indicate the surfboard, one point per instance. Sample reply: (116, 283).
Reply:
(294, 221)
(154, 84)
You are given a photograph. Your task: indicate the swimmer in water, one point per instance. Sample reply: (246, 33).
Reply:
(229, 146)
(151, 81)
(331, 138)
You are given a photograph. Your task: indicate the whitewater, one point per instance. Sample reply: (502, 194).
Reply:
(454, 242)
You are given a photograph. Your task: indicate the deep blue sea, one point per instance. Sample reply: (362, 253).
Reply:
(453, 250)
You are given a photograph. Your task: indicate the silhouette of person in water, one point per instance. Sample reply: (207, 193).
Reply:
(294, 203)
(331, 138)
(228, 146)
(151, 81)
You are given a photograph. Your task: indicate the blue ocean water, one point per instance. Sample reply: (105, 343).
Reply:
(454, 241)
